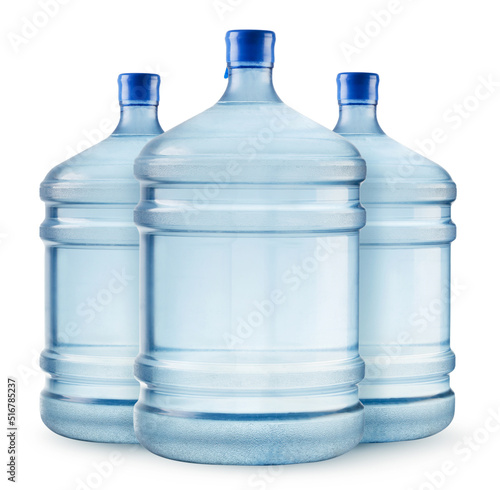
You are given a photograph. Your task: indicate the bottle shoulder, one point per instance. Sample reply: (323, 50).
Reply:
(111, 158)
(396, 173)
(385, 156)
(232, 127)
(103, 173)
(250, 143)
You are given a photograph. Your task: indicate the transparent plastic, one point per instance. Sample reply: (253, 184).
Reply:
(249, 219)
(92, 285)
(404, 284)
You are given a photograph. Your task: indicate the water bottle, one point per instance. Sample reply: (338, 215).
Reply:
(404, 275)
(92, 268)
(249, 219)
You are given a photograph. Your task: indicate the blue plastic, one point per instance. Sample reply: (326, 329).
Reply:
(249, 222)
(250, 46)
(357, 88)
(404, 278)
(92, 286)
(138, 89)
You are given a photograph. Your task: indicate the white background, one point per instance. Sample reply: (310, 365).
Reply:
(58, 92)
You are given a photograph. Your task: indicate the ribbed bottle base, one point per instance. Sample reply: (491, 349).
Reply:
(404, 419)
(92, 420)
(263, 439)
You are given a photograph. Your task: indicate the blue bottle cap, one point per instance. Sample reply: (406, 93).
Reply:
(250, 48)
(357, 88)
(139, 89)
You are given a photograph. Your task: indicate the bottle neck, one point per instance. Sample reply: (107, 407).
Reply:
(358, 119)
(250, 84)
(138, 120)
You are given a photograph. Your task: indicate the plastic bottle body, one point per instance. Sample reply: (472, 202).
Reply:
(92, 286)
(404, 284)
(249, 219)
